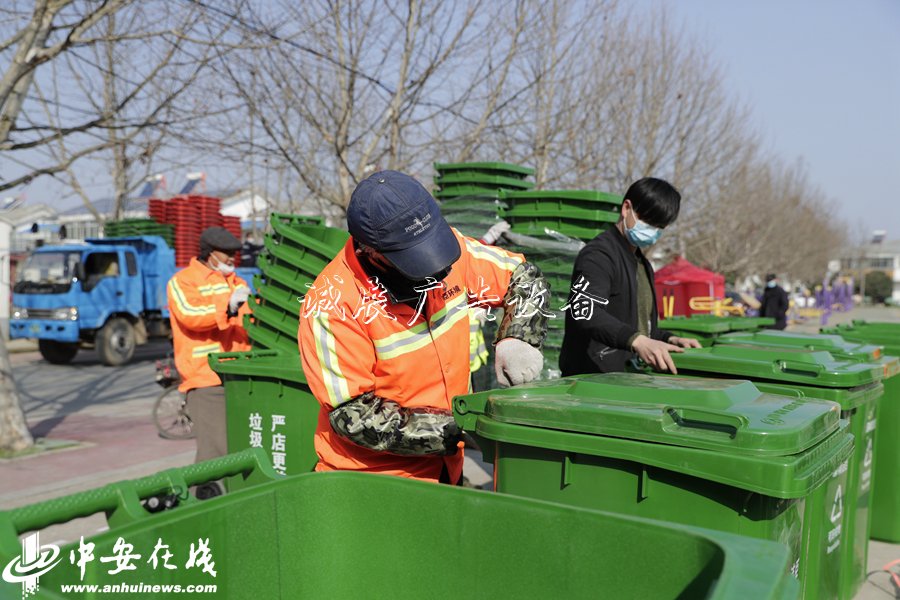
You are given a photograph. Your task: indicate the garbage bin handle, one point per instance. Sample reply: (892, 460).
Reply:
(121, 501)
(691, 421)
(791, 367)
(218, 358)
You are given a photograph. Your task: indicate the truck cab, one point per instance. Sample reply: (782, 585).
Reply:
(105, 293)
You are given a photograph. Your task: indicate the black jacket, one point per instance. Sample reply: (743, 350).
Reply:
(600, 344)
(775, 304)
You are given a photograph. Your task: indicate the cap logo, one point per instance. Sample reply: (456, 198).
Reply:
(419, 226)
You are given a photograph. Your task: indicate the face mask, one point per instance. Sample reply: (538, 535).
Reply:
(770, 284)
(399, 287)
(223, 268)
(642, 235)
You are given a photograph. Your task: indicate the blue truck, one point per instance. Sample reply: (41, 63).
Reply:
(108, 294)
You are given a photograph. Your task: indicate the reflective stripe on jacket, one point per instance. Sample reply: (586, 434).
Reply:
(198, 306)
(353, 340)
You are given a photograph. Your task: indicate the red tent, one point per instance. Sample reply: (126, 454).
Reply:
(679, 281)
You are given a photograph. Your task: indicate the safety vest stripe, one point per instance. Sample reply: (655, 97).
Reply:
(416, 336)
(421, 328)
(184, 306)
(204, 350)
(421, 341)
(213, 289)
(493, 255)
(335, 382)
(449, 321)
(411, 346)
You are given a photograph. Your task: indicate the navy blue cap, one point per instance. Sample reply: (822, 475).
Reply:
(392, 213)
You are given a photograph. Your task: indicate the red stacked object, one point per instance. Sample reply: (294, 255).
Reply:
(209, 210)
(191, 215)
(233, 225)
(185, 216)
(157, 210)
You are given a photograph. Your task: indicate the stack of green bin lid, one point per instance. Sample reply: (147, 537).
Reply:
(295, 253)
(469, 193)
(719, 454)
(706, 328)
(133, 227)
(582, 214)
(471, 215)
(485, 179)
(885, 523)
(797, 371)
(276, 541)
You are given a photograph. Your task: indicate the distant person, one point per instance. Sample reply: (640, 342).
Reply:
(207, 304)
(774, 302)
(611, 315)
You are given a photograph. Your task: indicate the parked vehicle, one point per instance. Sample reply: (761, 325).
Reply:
(108, 294)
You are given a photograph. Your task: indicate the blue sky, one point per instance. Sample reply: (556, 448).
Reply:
(822, 78)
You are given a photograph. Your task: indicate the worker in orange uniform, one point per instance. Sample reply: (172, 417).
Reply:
(384, 332)
(207, 303)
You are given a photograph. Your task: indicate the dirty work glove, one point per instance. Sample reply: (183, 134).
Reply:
(493, 234)
(517, 362)
(238, 297)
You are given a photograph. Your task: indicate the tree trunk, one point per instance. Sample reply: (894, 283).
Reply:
(14, 434)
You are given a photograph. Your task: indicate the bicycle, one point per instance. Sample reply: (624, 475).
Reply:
(170, 413)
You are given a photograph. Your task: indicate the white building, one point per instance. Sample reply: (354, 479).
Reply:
(881, 256)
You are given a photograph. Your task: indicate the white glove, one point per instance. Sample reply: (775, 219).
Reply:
(238, 297)
(493, 234)
(517, 362)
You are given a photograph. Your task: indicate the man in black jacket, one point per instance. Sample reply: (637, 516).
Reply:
(611, 314)
(775, 302)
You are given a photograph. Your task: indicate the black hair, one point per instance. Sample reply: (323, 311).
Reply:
(655, 201)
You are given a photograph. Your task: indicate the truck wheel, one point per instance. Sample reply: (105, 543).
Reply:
(57, 353)
(116, 342)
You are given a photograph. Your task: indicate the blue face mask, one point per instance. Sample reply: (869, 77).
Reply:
(771, 284)
(642, 235)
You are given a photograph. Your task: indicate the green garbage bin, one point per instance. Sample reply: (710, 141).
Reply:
(706, 328)
(268, 405)
(804, 373)
(349, 535)
(885, 520)
(703, 452)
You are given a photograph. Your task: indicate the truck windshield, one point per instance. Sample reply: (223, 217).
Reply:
(46, 273)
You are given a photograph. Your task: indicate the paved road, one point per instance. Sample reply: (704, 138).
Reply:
(54, 391)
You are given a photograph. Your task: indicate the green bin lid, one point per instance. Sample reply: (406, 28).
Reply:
(815, 368)
(259, 363)
(498, 181)
(835, 344)
(695, 324)
(871, 335)
(713, 414)
(483, 166)
(719, 430)
(589, 195)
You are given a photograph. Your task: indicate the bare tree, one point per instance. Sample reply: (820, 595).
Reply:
(85, 77)
(113, 94)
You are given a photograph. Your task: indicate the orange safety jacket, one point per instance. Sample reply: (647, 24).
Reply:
(354, 340)
(198, 306)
